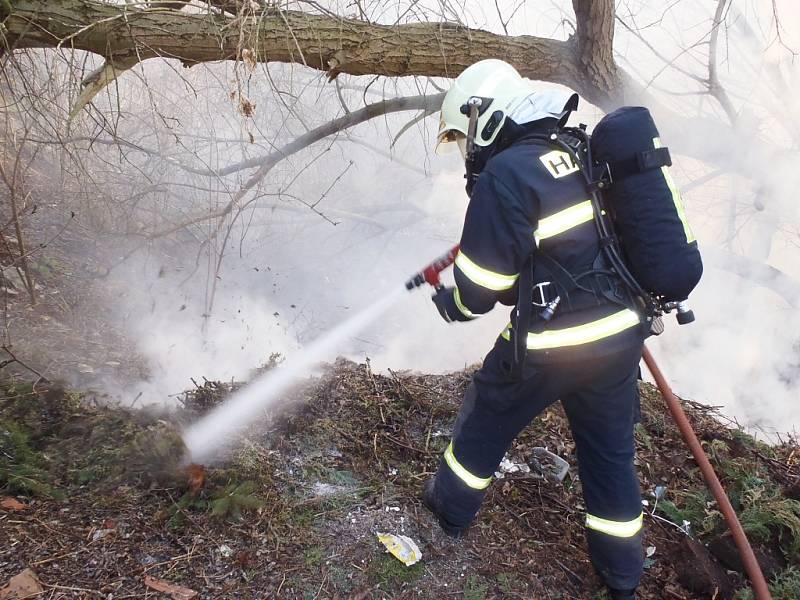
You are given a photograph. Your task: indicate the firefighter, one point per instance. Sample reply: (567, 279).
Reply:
(530, 226)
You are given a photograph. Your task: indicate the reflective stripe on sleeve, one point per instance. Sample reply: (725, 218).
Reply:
(623, 529)
(564, 220)
(473, 481)
(676, 198)
(460, 306)
(580, 334)
(484, 277)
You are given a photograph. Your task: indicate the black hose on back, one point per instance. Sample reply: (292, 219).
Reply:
(609, 243)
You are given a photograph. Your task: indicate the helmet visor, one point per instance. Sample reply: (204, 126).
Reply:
(447, 141)
(461, 142)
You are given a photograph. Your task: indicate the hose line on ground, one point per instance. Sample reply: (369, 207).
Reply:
(751, 565)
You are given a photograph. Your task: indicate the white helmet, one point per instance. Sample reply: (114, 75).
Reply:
(503, 93)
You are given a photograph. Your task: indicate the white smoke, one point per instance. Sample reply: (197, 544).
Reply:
(289, 274)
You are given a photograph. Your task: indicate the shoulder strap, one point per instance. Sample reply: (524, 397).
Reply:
(522, 316)
(641, 162)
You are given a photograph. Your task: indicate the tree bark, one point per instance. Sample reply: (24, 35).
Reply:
(123, 34)
(595, 48)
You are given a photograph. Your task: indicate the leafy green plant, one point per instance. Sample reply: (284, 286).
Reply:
(21, 468)
(313, 557)
(509, 583)
(230, 502)
(235, 499)
(763, 510)
(386, 569)
(177, 513)
(784, 586)
(766, 512)
(693, 506)
(643, 437)
(475, 588)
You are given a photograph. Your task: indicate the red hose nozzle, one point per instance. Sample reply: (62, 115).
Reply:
(430, 273)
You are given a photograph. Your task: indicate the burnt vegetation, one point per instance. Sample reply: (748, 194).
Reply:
(295, 506)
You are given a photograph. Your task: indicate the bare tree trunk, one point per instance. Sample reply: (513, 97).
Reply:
(23, 256)
(20, 263)
(595, 40)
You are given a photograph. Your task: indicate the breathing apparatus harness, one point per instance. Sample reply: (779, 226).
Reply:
(597, 178)
(609, 242)
(608, 279)
(608, 271)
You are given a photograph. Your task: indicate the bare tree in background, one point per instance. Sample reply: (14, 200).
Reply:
(167, 183)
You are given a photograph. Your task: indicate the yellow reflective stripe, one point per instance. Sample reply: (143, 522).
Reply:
(621, 529)
(473, 481)
(564, 220)
(484, 277)
(580, 334)
(460, 305)
(676, 198)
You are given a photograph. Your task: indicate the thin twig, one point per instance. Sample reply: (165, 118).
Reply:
(22, 364)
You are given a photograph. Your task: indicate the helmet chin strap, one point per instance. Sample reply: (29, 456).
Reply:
(473, 106)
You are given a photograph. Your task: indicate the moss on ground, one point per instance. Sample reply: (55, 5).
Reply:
(389, 573)
(785, 586)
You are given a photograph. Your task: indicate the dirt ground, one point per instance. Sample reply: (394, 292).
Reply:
(95, 502)
(295, 509)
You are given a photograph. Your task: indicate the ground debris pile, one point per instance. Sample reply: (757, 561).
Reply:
(103, 504)
(202, 398)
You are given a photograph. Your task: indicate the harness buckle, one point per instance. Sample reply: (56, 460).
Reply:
(601, 178)
(544, 298)
(547, 300)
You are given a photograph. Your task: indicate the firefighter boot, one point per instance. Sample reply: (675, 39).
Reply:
(431, 502)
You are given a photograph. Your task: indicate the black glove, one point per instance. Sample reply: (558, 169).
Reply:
(446, 305)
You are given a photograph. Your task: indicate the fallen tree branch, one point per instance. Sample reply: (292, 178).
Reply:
(14, 359)
(122, 35)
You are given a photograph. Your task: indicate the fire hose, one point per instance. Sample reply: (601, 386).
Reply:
(751, 565)
(430, 275)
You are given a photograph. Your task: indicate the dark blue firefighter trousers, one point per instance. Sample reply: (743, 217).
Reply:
(601, 401)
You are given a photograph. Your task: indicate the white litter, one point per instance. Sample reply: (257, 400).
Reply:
(509, 466)
(325, 489)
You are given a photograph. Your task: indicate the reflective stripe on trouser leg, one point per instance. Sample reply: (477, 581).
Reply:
(602, 416)
(495, 409)
(459, 502)
(473, 481)
(622, 529)
(620, 543)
